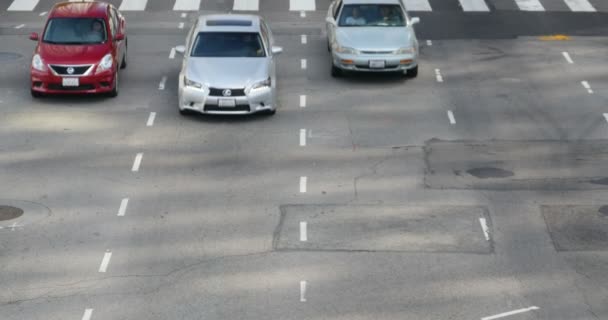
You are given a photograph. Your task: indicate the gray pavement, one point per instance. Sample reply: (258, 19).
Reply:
(399, 224)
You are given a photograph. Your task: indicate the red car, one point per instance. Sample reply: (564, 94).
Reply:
(81, 49)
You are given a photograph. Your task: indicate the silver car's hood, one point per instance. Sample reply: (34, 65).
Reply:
(374, 38)
(227, 72)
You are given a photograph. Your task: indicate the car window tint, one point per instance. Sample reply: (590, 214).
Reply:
(228, 44)
(75, 31)
(372, 15)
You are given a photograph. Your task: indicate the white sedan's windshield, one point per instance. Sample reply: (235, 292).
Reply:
(372, 15)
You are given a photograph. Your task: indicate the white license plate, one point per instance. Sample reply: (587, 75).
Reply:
(70, 82)
(376, 64)
(227, 103)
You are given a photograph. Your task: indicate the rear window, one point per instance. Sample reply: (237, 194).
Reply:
(228, 45)
(75, 31)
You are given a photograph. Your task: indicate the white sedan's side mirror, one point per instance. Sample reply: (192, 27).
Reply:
(414, 20)
(277, 50)
(180, 49)
(330, 20)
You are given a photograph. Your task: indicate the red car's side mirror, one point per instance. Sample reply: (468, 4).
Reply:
(34, 36)
(119, 37)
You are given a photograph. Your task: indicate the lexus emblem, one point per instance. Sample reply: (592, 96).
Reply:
(227, 93)
(70, 70)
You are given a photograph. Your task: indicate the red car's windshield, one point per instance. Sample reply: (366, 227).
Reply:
(75, 31)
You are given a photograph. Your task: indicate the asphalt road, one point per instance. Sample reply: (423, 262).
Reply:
(472, 191)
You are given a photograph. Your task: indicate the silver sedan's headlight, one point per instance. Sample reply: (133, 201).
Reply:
(262, 84)
(346, 50)
(37, 63)
(407, 50)
(194, 84)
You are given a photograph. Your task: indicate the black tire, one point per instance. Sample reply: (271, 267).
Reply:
(412, 73)
(184, 112)
(271, 112)
(123, 63)
(335, 72)
(36, 94)
(114, 92)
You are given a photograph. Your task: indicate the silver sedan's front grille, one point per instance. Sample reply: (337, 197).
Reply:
(67, 70)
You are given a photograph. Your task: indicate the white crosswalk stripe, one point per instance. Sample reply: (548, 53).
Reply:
(580, 5)
(474, 5)
(133, 5)
(187, 5)
(302, 5)
(23, 5)
(246, 5)
(418, 5)
(530, 5)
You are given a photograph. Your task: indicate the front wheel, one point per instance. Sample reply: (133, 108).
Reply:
(114, 91)
(412, 73)
(335, 71)
(36, 94)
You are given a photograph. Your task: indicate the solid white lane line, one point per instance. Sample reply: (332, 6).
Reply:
(187, 5)
(302, 101)
(303, 63)
(137, 162)
(302, 291)
(302, 14)
(438, 75)
(580, 5)
(303, 181)
(180, 25)
(474, 5)
(418, 5)
(184, 15)
(530, 5)
(484, 227)
(87, 314)
(606, 116)
(172, 53)
(451, 117)
(429, 43)
(19, 26)
(567, 57)
(123, 207)
(23, 5)
(161, 84)
(43, 13)
(246, 5)
(151, 119)
(105, 261)
(302, 137)
(133, 5)
(303, 231)
(303, 39)
(510, 313)
(587, 86)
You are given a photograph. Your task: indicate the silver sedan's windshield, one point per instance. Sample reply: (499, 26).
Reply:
(372, 15)
(75, 31)
(228, 45)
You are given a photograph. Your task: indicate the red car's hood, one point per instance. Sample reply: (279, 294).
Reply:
(72, 54)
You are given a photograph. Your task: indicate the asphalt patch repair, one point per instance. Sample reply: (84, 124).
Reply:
(577, 228)
(9, 213)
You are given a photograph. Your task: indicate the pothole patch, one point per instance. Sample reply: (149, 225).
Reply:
(9, 213)
(490, 172)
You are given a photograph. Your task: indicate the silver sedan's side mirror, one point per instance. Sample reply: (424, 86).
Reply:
(180, 49)
(414, 20)
(277, 50)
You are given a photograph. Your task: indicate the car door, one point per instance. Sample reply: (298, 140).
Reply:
(332, 13)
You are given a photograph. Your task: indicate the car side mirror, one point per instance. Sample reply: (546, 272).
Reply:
(330, 20)
(34, 36)
(277, 50)
(119, 37)
(180, 49)
(414, 20)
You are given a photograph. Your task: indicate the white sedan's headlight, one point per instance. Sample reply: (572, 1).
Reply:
(407, 50)
(37, 63)
(193, 84)
(346, 50)
(262, 84)
(105, 63)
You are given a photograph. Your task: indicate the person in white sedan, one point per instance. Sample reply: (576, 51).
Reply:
(355, 19)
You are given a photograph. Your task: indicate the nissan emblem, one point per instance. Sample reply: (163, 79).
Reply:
(70, 70)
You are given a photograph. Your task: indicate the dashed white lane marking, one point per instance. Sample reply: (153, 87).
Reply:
(123, 207)
(87, 314)
(151, 118)
(302, 101)
(438, 75)
(137, 162)
(451, 117)
(180, 25)
(529, 5)
(606, 116)
(474, 5)
(184, 15)
(580, 5)
(302, 291)
(567, 57)
(133, 5)
(302, 5)
(105, 261)
(19, 26)
(302, 137)
(303, 63)
(429, 43)
(510, 313)
(23, 5)
(586, 85)
(418, 5)
(161, 84)
(187, 5)
(303, 181)
(246, 5)
(303, 39)
(302, 14)
(484, 227)
(172, 53)
(43, 13)
(303, 231)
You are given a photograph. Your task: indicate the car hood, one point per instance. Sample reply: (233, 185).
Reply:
(374, 38)
(72, 54)
(227, 72)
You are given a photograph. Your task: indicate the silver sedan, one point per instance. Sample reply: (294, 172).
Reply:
(371, 36)
(229, 66)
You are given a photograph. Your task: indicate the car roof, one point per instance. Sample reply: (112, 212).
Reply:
(371, 1)
(229, 23)
(94, 9)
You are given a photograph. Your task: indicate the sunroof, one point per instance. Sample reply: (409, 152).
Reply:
(237, 23)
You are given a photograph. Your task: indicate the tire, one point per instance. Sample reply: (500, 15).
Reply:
(271, 112)
(36, 94)
(123, 63)
(184, 112)
(412, 73)
(335, 72)
(114, 92)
